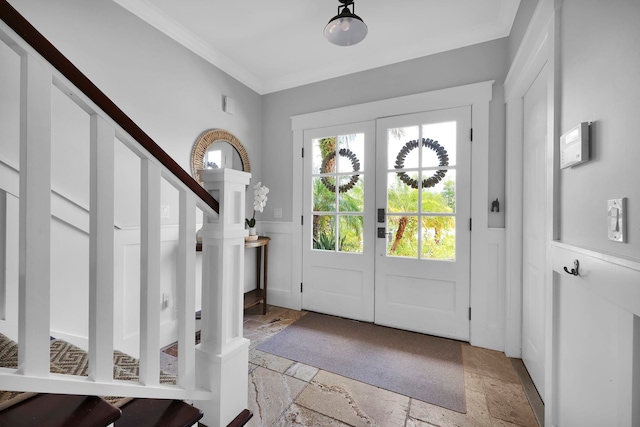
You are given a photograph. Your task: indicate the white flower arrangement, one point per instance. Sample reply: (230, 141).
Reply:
(259, 202)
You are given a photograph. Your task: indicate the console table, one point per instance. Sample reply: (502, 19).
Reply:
(259, 294)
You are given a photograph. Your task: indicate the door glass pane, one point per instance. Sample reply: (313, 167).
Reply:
(324, 155)
(324, 197)
(439, 237)
(351, 153)
(350, 233)
(324, 232)
(402, 197)
(402, 240)
(351, 193)
(441, 198)
(338, 163)
(398, 138)
(445, 136)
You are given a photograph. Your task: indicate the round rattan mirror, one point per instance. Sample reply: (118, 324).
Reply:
(218, 148)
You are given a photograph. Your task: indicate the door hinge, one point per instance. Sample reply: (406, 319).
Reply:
(301, 287)
(470, 224)
(471, 134)
(302, 151)
(469, 313)
(301, 219)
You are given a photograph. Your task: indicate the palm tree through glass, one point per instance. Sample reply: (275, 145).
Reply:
(338, 196)
(421, 191)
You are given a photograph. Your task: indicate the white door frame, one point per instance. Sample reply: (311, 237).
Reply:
(539, 46)
(478, 96)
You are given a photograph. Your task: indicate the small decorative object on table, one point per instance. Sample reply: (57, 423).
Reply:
(259, 202)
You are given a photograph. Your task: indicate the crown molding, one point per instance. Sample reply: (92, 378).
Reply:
(147, 12)
(144, 10)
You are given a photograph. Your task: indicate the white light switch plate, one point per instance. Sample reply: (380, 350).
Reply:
(617, 219)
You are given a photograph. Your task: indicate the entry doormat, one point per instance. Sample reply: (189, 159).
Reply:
(421, 366)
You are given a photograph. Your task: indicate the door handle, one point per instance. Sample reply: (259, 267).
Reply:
(389, 236)
(383, 233)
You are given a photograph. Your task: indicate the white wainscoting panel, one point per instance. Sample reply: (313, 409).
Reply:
(284, 271)
(69, 283)
(593, 365)
(488, 291)
(127, 288)
(9, 251)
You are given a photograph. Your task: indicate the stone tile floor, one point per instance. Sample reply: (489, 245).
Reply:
(285, 393)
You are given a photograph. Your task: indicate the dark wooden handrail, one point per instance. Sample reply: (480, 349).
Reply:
(25, 30)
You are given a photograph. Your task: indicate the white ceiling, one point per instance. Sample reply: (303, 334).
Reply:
(271, 45)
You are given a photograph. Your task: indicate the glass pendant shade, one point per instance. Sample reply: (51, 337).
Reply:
(345, 29)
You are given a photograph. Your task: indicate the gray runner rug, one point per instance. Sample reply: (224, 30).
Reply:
(421, 366)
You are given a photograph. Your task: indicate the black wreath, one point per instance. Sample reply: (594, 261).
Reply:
(433, 179)
(344, 152)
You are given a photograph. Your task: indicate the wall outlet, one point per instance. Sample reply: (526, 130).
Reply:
(277, 212)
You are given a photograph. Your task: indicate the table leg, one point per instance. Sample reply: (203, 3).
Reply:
(265, 266)
(258, 269)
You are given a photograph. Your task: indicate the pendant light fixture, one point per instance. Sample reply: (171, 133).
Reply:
(346, 28)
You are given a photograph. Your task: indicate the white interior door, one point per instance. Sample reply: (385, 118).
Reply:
(338, 221)
(534, 229)
(423, 249)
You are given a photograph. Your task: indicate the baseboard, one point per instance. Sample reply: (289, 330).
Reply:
(78, 341)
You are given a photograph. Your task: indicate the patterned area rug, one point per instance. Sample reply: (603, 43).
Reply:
(71, 360)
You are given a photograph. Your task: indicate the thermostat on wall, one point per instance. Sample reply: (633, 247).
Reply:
(574, 146)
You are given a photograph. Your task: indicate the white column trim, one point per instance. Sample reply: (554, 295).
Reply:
(223, 354)
(535, 51)
(538, 48)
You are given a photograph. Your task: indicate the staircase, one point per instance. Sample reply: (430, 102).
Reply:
(31, 409)
(212, 374)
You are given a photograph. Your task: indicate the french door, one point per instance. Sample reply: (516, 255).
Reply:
(338, 238)
(386, 221)
(423, 247)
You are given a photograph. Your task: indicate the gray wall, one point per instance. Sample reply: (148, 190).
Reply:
(600, 82)
(485, 61)
(171, 93)
(520, 24)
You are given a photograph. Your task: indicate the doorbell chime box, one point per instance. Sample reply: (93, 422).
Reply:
(574, 146)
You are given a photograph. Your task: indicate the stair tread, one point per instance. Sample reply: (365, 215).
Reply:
(242, 419)
(158, 413)
(60, 410)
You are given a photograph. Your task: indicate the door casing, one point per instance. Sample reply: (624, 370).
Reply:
(486, 331)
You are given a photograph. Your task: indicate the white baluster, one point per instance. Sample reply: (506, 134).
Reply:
(222, 357)
(185, 292)
(101, 286)
(4, 213)
(150, 274)
(35, 218)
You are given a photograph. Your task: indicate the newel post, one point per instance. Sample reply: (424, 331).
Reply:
(223, 354)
